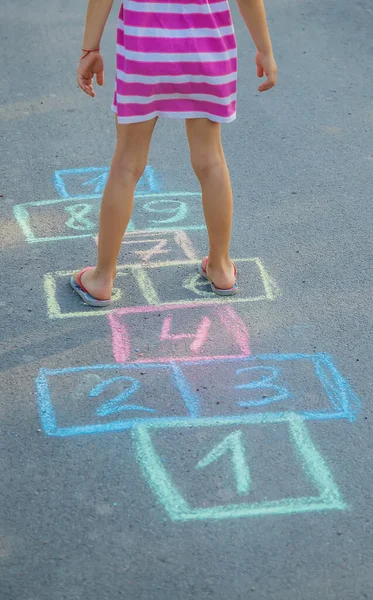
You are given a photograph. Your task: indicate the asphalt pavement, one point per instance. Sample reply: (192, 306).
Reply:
(176, 446)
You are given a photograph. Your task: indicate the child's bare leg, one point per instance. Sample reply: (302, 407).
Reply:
(208, 161)
(128, 164)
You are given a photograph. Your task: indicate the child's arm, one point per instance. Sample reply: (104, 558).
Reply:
(91, 62)
(97, 15)
(253, 13)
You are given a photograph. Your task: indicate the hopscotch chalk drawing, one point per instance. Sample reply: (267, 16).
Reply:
(147, 282)
(188, 392)
(217, 332)
(75, 214)
(168, 332)
(71, 218)
(177, 504)
(72, 183)
(147, 246)
(113, 398)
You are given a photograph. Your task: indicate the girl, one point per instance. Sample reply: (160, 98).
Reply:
(178, 59)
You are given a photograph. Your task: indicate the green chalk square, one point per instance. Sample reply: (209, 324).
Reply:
(178, 508)
(184, 221)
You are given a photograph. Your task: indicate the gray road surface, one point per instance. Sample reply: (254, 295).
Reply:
(231, 493)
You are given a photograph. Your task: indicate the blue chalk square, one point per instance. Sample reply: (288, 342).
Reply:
(105, 398)
(70, 183)
(309, 385)
(260, 466)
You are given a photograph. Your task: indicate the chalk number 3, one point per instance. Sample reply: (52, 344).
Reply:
(265, 382)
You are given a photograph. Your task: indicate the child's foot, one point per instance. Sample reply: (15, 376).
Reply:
(98, 285)
(223, 276)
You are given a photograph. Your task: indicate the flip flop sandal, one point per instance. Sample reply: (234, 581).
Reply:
(219, 291)
(79, 288)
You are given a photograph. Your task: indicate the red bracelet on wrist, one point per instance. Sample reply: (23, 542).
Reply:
(88, 52)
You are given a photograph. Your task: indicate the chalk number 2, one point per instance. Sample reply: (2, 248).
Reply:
(119, 402)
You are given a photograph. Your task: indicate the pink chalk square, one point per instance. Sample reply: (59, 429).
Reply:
(173, 333)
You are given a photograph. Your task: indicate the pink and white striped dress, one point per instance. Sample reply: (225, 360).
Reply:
(175, 59)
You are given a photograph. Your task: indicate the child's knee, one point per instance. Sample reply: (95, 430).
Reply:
(205, 163)
(129, 167)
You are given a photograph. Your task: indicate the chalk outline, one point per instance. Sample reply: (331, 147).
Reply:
(179, 509)
(271, 290)
(178, 236)
(47, 412)
(346, 406)
(60, 186)
(22, 216)
(59, 182)
(228, 318)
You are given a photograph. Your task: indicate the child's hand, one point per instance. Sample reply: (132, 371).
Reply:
(90, 65)
(266, 65)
